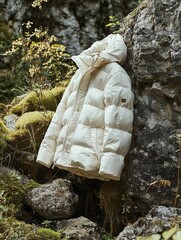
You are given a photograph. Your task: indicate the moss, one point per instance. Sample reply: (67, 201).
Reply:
(29, 133)
(39, 100)
(30, 185)
(48, 234)
(51, 98)
(31, 129)
(17, 135)
(33, 118)
(16, 230)
(13, 229)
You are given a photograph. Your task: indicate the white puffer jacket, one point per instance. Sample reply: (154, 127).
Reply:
(90, 133)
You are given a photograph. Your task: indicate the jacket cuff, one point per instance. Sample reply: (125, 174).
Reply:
(111, 165)
(45, 158)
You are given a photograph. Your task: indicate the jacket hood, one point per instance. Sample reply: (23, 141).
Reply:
(110, 49)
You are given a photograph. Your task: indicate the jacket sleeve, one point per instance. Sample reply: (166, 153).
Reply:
(118, 99)
(48, 146)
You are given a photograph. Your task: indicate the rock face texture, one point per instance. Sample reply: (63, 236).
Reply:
(77, 24)
(152, 34)
(158, 220)
(54, 200)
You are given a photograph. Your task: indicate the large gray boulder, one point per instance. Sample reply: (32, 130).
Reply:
(53, 200)
(153, 36)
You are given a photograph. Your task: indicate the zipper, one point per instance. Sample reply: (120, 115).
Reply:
(88, 70)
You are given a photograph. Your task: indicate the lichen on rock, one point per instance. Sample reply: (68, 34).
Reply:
(54, 200)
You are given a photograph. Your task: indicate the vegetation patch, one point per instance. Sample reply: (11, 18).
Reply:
(39, 100)
(12, 191)
(33, 118)
(12, 229)
(116, 205)
(41, 62)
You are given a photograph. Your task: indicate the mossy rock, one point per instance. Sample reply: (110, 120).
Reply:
(39, 100)
(48, 234)
(23, 143)
(16, 230)
(35, 118)
(31, 128)
(13, 186)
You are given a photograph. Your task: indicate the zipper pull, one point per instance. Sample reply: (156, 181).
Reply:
(54, 164)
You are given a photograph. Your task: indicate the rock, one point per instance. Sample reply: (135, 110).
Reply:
(158, 220)
(54, 200)
(10, 121)
(154, 47)
(152, 34)
(80, 228)
(77, 24)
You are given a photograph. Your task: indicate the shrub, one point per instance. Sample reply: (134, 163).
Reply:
(42, 61)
